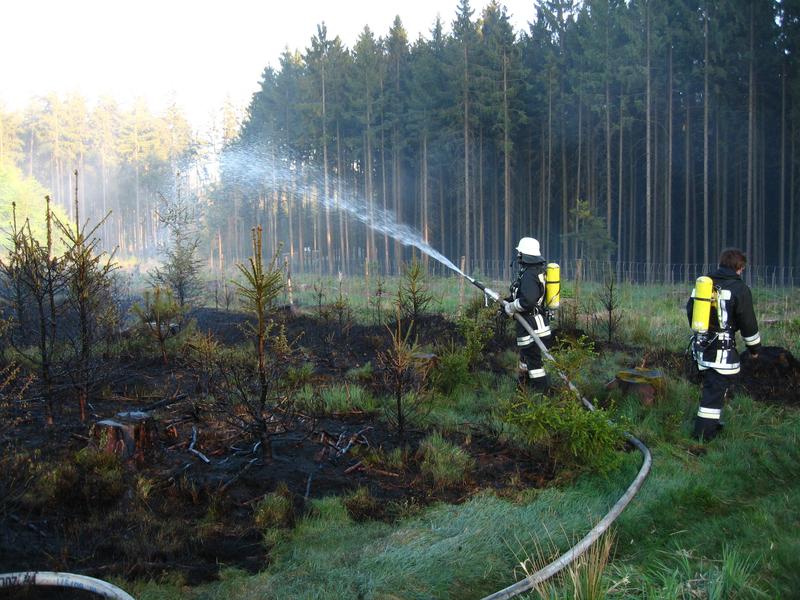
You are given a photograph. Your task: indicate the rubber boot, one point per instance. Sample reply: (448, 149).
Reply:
(706, 429)
(540, 385)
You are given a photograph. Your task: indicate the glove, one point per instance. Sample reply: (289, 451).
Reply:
(510, 309)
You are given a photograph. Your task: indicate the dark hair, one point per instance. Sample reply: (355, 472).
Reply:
(733, 258)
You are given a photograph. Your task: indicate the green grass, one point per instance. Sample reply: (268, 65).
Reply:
(335, 399)
(275, 510)
(347, 397)
(723, 523)
(443, 463)
(700, 522)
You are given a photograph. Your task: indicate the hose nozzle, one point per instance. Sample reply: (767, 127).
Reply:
(482, 287)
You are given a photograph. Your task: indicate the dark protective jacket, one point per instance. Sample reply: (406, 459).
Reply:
(527, 294)
(733, 311)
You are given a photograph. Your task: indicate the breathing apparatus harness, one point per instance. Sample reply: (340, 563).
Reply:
(706, 296)
(515, 285)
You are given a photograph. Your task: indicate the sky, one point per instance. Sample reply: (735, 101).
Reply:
(198, 54)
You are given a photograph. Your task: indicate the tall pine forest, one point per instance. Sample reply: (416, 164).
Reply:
(635, 132)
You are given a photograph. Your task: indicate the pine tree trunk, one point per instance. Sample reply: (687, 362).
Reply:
(481, 241)
(424, 190)
(687, 217)
(719, 229)
(442, 232)
(620, 186)
(339, 199)
(467, 205)
(751, 131)
(668, 174)
(397, 171)
(782, 189)
(793, 254)
(576, 224)
(564, 192)
(541, 225)
(290, 225)
(648, 150)
(655, 194)
(326, 188)
(706, 259)
(383, 189)
(506, 175)
(549, 174)
(371, 249)
(608, 159)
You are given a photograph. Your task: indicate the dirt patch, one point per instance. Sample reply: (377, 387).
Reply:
(773, 377)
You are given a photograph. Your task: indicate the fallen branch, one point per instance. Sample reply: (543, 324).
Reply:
(356, 466)
(164, 402)
(353, 439)
(197, 453)
(178, 445)
(30, 526)
(228, 483)
(179, 472)
(381, 472)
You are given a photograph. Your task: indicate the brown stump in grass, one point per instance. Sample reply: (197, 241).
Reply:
(129, 435)
(648, 385)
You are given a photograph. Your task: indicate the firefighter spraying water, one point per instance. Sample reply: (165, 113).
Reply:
(527, 299)
(534, 294)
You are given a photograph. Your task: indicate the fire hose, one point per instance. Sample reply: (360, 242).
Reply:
(583, 545)
(63, 580)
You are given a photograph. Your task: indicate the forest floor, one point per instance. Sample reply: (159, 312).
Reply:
(175, 516)
(174, 513)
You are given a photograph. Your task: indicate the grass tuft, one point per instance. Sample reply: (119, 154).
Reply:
(443, 463)
(275, 510)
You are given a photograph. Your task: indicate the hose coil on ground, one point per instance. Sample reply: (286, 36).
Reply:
(63, 580)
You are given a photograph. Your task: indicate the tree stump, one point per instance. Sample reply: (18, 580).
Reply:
(648, 385)
(130, 436)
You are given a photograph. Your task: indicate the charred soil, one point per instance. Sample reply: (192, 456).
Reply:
(65, 505)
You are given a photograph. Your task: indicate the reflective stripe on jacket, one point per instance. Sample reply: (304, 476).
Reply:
(527, 294)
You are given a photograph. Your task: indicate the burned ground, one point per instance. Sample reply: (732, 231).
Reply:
(62, 509)
(773, 377)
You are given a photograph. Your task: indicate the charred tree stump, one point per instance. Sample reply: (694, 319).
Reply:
(649, 385)
(129, 435)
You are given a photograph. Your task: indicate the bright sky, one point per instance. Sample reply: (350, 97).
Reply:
(196, 52)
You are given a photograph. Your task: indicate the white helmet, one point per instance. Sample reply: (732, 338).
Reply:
(529, 250)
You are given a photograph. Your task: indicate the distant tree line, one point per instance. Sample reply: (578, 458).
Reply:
(635, 131)
(125, 158)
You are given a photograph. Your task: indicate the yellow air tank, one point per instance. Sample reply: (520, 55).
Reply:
(701, 307)
(552, 293)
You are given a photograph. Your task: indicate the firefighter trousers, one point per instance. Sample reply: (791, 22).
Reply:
(715, 386)
(531, 367)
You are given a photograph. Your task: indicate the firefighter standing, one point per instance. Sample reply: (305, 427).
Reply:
(527, 299)
(731, 305)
